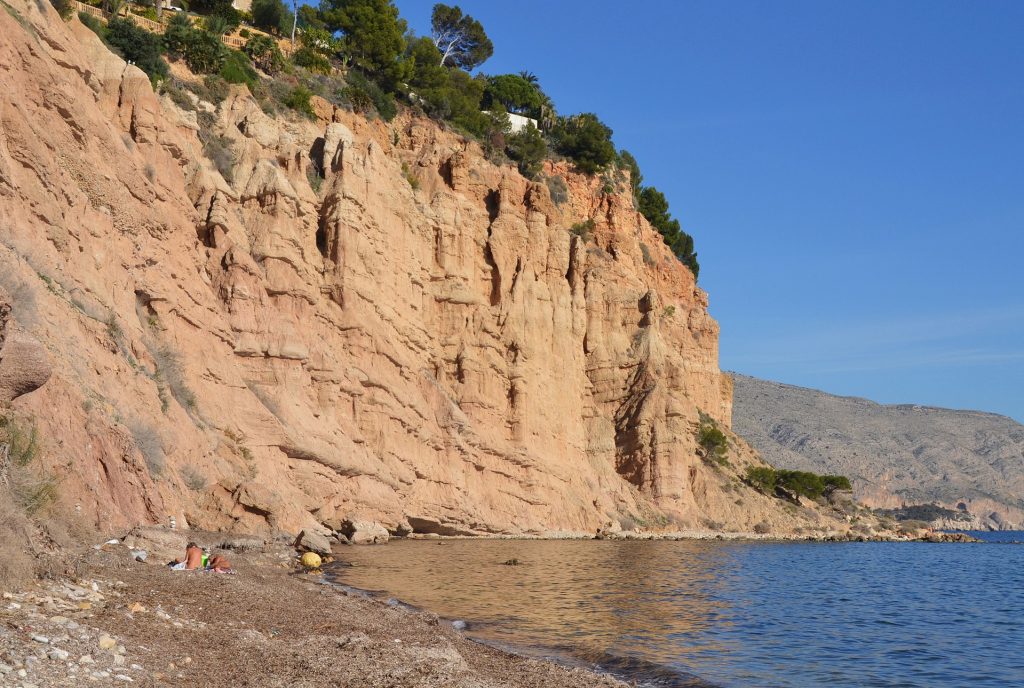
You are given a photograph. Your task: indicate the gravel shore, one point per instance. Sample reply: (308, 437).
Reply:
(125, 622)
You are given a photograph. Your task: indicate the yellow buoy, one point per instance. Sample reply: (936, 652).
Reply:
(311, 560)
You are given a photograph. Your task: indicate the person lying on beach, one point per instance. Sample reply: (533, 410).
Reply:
(218, 564)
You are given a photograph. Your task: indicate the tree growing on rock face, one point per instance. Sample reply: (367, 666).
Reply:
(654, 207)
(628, 162)
(528, 148)
(460, 39)
(372, 37)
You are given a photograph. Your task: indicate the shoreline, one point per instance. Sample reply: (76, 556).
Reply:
(120, 621)
(933, 537)
(638, 676)
(110, 620)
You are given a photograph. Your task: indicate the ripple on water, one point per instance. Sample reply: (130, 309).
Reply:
(732, 614)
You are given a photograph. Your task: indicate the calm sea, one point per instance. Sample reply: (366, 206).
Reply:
(713, 613)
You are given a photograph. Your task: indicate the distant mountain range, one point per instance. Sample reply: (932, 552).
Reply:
(972, 463)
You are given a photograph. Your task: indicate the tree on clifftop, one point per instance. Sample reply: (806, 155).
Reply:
(460, 38)
(585, 140)
(372, 36)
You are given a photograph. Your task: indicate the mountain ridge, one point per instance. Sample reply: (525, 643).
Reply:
(895, 454)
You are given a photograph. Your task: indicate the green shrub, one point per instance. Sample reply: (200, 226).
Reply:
(94, 23)
(836, 482)
(265, 54)
(762, 478)
(204, 52)
(32, 487)
(299, 100)
(217, 8)
(713, 441)
(923, 512)
(215, 89)
(177, 35)
(22, 443)
(528, 149)
(414, 182)
(145, 12)
(366, 92)
(138, 46)
(238, 69)
(311, 60)
(63, 8)
(169, 375)
(585, 140)
(583, 229)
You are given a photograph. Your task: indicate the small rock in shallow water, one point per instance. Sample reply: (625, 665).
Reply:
(459, 625)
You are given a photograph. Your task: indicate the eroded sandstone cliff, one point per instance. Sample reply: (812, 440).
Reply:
(253, 353)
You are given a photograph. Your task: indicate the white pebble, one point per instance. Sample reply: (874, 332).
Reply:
(58, 654)
(41, 639)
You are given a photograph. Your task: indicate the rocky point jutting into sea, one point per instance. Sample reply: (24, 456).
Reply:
(363, 319)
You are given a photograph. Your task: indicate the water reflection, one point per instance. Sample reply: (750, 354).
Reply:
(732, 613)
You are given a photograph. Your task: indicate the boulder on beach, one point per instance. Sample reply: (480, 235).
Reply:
(361, 532)
(311, 541)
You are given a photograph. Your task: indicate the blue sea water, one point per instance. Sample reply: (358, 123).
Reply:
(715, 613)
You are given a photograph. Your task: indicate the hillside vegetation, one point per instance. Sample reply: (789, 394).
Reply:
(360, 54)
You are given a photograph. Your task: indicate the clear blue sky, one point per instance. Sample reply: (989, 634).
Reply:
(853, 173)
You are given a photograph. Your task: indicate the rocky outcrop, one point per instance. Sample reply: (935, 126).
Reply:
(24, 366)
(971, 463)
(317, 336)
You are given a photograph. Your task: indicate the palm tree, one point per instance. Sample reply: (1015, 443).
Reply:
(529, 77)
(216, 24)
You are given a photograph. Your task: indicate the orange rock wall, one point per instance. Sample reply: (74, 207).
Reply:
(450, 357)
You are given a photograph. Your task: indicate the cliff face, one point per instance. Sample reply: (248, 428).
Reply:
(895, 455)
(252, 353)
